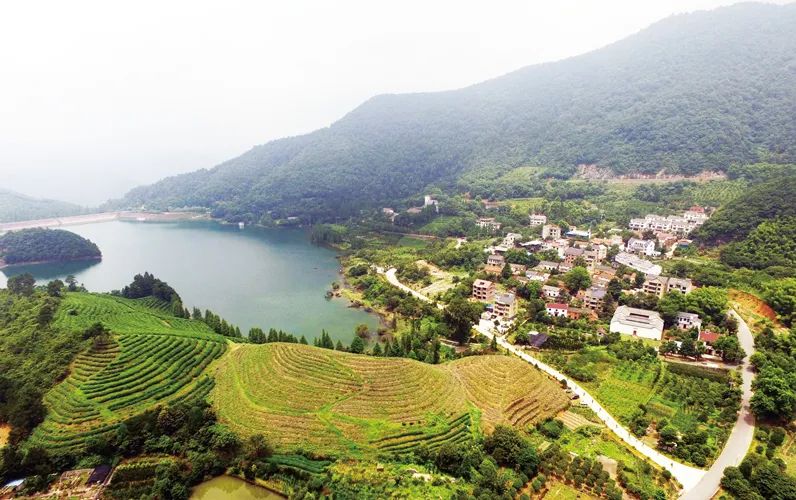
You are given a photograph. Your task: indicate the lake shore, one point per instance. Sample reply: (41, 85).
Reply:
(124, 215)
(4, 265)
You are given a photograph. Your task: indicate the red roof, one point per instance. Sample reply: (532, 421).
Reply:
(557, 306)
(708, 337)
(697, 208)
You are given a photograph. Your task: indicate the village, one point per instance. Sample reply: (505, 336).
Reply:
(581, 277)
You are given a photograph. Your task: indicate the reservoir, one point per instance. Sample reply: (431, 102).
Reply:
(270, 278)
(231, 488)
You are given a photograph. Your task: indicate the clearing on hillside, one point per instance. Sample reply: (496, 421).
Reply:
(327, 401)
(150, 358)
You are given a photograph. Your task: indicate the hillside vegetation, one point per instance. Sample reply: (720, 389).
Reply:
(691, 93)
(16, 207)
(332, 402)
(764, 202)
(145, 358)
(45, 245)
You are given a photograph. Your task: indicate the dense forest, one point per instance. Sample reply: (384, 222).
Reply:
(15, 207)
(691, 93)
(45, 245)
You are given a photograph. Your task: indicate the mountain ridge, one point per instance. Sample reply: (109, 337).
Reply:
(691, 93)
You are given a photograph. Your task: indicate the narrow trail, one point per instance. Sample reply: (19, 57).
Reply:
(697, 483)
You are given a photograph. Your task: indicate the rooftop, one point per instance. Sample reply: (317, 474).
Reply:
(505, 299)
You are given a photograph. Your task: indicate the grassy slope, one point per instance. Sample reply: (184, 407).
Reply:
(151, 358)
(333, 402)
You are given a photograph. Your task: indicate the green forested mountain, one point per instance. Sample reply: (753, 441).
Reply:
(16, 207)
(45, 245)
(738, 218)
(690, 93)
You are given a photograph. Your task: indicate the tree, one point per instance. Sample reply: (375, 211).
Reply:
(688, 348)
(730, 349)
(54, 288)
(577, 279)
(668, 347)
(362, 330)
(460, 315)
(357, 345)
(614, 288)
(71, 283)
(22, 284)
(505, 273)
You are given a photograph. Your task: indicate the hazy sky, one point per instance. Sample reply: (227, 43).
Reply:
(97, 96)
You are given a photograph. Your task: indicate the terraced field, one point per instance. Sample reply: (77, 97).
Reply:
(78, 311)
(151, 358)
(327, 401)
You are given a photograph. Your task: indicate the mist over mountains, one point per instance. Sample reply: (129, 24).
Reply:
(692, 93)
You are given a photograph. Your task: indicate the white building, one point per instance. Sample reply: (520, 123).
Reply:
(538, 219)
(639, 246)
(557, 310)
(551, 292)
(687, 321)
(637, 263)
(637, 322)
(510, 239)
(488, 223)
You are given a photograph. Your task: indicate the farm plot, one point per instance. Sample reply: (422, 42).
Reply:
(331, 402)
(124, 375)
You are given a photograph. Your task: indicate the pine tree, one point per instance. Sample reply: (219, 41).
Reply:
(303, 340)
(377, 350)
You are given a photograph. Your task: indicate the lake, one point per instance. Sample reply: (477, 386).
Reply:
(229, 487)
(271, 278)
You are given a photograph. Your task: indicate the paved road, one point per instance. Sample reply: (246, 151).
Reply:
(688, 476)
(741, 437)
(697, 484)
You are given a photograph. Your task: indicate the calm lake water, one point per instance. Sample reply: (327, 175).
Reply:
(232, 488)
(271, 278)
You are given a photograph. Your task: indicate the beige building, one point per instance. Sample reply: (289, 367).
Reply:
(551, 231)
(660, 285)
(483, 290)
(505, 305)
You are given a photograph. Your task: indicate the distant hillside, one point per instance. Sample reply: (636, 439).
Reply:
(16, 207)
(45, 245)
(691, 93)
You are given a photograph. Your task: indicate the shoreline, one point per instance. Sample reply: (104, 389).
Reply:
(4, 265)
(122, 215)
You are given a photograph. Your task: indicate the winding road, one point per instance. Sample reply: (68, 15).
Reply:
(697, 484)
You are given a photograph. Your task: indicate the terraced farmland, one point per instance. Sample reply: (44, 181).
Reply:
(78, 311)
(327, 401)
(127, 373)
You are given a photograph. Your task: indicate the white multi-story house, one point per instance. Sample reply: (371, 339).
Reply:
(510, 239)
(537, 219)
(488, 223)
(642, 247)
(556, 310)
(686, 321)
(551, 292)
